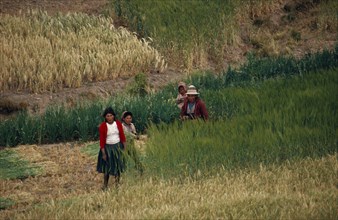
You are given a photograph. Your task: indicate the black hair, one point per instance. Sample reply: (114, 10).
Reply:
(107, 111)
(125, 114)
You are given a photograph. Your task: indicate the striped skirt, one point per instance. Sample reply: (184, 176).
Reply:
(116, 162)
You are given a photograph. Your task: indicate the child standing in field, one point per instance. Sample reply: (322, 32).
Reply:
(128, 126)
(131, 134)
(182, 90)
(112, 142)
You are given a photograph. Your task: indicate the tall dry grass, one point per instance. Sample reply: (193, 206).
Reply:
(301, 190)
(280, 27)
(44, 53)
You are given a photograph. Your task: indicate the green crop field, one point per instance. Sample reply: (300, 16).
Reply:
(268, 150)
(270, 153)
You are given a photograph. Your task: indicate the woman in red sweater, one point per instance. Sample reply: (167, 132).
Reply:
(112, 141)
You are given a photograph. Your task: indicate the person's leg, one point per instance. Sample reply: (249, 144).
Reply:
(105, 181)
(117, 181)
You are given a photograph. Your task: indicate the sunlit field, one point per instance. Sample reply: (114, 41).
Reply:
(294, 190)
(268, 150)
(274, 156)
(48, 53)
(186, 33)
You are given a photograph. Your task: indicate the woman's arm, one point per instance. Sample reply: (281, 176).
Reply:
(123, 139)
(204, 112)
(103, 134)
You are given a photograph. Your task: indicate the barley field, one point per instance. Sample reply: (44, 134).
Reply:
(272, 154)
(304, 189)
(42, 53)
(269, 150)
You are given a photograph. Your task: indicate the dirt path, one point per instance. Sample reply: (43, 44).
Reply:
(68, 173)
(11, 102)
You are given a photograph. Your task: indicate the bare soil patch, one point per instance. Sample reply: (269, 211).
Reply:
(67, 173)
(11, 102)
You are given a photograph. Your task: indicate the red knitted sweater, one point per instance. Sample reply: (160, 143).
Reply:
(103, 129)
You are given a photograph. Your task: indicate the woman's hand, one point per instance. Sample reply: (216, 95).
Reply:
(104, 156)
(184, 117)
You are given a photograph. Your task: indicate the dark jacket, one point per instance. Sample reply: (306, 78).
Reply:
(200, 109)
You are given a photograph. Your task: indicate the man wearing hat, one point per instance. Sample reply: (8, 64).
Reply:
(193, 107)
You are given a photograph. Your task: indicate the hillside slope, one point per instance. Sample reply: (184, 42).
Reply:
(287, 27)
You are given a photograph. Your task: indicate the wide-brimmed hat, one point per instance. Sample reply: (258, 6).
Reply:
(192, 90)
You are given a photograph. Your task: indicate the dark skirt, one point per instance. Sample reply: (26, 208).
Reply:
(115, 164)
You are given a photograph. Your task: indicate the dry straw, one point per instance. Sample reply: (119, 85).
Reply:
(43, 53)
(304, 189)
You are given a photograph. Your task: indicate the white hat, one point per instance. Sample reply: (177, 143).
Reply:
(192, 90)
